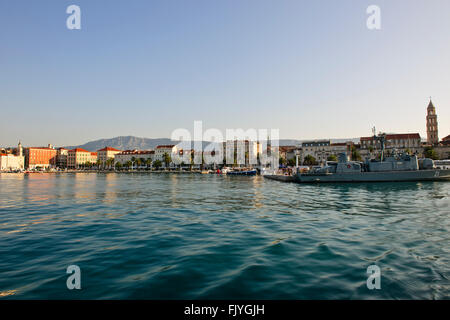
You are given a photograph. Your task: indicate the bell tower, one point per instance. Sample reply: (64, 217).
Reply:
(432, 125)
(19, 149)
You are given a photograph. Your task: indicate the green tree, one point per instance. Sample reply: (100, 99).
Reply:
(356, 156)
(157, 164)
(110, 163)
(291, 162)
(282, 161)
(332, 157)
(142, 161)
(429, 152)
(138, 163)
(148, 162)
(309, 160)
(118, 166)
(167, 159)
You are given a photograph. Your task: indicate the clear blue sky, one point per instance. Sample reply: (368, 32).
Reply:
(143, 68)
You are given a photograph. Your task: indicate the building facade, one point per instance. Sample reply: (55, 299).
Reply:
(106, 154)
(321, 150)
(160, 150)
(132, 155)
(80, 157)
(11, 161)
(402, 142)
(446, 141)
(432, 125)
(40, 157)
(61, 157)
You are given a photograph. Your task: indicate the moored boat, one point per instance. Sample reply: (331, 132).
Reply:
(250, 172)
(396, 168)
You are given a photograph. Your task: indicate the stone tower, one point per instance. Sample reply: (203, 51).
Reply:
(432, 125)
(20, 149)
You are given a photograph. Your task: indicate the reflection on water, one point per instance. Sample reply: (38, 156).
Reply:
(208, 236)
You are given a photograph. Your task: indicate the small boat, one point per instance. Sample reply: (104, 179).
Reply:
(242, 172)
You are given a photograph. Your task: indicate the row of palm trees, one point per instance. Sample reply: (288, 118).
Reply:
(133, 163)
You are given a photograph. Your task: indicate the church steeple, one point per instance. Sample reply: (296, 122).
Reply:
(432, 125)
(20, 149)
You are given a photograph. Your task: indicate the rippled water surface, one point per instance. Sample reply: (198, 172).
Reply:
(183, 236)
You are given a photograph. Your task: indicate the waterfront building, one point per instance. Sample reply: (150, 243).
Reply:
(160, 150)
(78, 157)
(432, 125)
(401, 142)
(12, 161)
(40, 157)
(288, 152)
(106, 154)
(446, 141)
(322, 149)
(94, 157)
(251, 150)
(61, 157)
(132, 155)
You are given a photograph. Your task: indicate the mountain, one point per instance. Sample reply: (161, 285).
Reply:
(124, 143)
(131, 143)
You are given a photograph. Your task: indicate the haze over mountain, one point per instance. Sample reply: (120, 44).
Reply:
(131, 143)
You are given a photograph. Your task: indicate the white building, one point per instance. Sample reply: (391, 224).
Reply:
(170, 149)
(12, 162)
(322, 149)
(130, 155)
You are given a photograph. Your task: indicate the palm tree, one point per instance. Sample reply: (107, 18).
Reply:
(110, 162)
(309, 160)
(148, 162)
(192, 161)
(138, 163)
(356, 156)
(167, 159)
(157, 164)
(141, 161)
(118, 165)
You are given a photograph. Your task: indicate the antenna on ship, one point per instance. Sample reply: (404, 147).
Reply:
(381, 138)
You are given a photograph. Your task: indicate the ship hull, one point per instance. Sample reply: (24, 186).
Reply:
(391, 176)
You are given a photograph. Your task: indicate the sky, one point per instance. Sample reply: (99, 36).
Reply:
(311, 69)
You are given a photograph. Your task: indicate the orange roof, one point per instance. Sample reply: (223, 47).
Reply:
(93, 153)
(136, 152)
(339, 144)
(79, 150)
(396, 136)
(165, 146)
(41, 148)
(108, 149)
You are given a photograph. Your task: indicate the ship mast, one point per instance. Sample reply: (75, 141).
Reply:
(381, 137)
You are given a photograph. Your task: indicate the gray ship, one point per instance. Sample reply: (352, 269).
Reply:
(395, 168)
